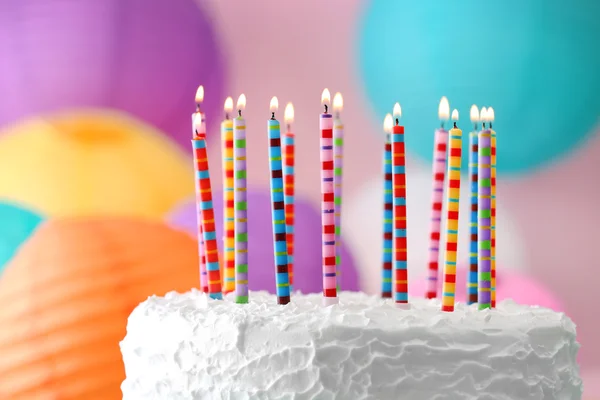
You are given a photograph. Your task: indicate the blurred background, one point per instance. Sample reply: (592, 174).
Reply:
(96, 188)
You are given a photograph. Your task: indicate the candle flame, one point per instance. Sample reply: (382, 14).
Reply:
(288, 114)
(200, 94)
(325, 97)
(474, 113)
(274, 104)
(397, 112)
(338, 102)
(228, 106)
(490, 114)
(455, 115)
(388, 123)
(241, 103)
(197, 123)
(444, 109)
(483, 114)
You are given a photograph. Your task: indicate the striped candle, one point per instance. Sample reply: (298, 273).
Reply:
(388, 212)
(201, 131)
(228, 195)
(278, 208)
(399, 205)
(207, 213)
(452, 205)
(338, 165)
(327, 204)
(288, 175)
(490, 117)
(440, 144)
(241, 205)
(472, 276)
(484, 213)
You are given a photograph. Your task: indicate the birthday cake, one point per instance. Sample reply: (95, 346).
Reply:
(188, 346)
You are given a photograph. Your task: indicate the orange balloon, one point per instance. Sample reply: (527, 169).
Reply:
(66, 296)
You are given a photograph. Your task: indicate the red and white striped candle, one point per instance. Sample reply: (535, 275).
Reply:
(200, 130)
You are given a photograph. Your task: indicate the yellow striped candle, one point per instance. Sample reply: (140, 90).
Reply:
(452, 205)
(228, 199)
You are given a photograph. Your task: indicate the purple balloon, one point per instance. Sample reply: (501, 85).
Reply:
(146, 58)
(307, 258)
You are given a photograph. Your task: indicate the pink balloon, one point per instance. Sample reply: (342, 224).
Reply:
(510, 285)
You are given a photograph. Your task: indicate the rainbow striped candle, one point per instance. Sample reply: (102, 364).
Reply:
(288, 175)
(278, 208)
(338, 165)
(327, 204)
(207, 213)
(472, 276)
(228, 206)
(484, 213)
(439, 175)
(452, 205)
(490, 117)
(388, 212)
(241, 205)
(399, 204)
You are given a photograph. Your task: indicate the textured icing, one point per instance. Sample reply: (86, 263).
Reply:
(189, 347)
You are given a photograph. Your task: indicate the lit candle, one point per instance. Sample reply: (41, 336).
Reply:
(199, 130)
(206, 210)
(399, 204)
(288, 174)
(228, 211)
(439, 170)
(490, 118)
(452, 205)
(484, 173)
(241, 204)
(338, 164)
(278, 208)
(327, 203)
(472, 276)
(388, 211)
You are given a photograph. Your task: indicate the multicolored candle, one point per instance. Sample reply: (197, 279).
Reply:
(288, 175)
(484, 213)
(241, 204)
(201, 131)
(206, 211)
(388, 212)
(228, 206)
(439, 174)
(472, 276)
(327, 203)
(278, 208)
(452, 205)
(490, 118)
(399, 204)
(338, 164)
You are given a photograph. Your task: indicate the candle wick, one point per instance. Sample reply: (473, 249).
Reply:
(490, 125)
(289, 127)
(442, 125)
(483, 125)
(397, 121)
(475, 127)
(455, 125)
(226, 115)
(273, 115)
(325, 108)
(240, 112)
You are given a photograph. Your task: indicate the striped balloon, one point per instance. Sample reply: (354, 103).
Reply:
(388, 221)
(452, 205)
(228, 206)
(439, 175)
(399, 203)
(472, 276)
(278, 214)
(241, 211)
(328, 208)
(484, 212)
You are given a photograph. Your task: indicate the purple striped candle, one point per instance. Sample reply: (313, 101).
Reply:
(484, 207)
(241, 205)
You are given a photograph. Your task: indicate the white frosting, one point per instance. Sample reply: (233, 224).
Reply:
(189, 347)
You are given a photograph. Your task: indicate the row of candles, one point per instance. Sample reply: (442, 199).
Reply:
(447, 157)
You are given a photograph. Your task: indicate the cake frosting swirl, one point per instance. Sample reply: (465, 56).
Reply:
(189, 347)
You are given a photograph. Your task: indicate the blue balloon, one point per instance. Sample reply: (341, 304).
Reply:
(536, 62)
(16, 225)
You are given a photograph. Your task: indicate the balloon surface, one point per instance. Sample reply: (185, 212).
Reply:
(66, 297)
(142, 57)
(92, 162)
(16, 225)
(307, 258)
(534, 61)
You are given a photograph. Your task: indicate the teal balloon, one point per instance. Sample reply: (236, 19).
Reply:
(537, 62)
(16, 225)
